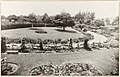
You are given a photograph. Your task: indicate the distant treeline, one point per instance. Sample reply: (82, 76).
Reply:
(64, 20)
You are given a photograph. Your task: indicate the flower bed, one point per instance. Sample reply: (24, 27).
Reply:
(67, 69)
(40, 31)
(8, 68)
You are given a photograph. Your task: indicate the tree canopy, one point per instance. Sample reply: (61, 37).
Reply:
(115, 21)
(99, 22)
(64, 20)
(12, 18)
(85, 17)
(32, 18)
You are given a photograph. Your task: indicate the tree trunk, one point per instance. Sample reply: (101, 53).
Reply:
(45, 24)
(64, 28)
(32, 24)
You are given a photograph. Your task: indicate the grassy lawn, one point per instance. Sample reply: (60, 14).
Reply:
(99, 58)
(52, 33)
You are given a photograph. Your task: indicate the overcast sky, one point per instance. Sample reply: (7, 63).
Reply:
(102, 9)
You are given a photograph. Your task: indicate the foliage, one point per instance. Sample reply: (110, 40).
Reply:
(3, 45)
(8, 68)
(40, 44)
(85, 17)
(66, 69)
(4, 21)
(40, 31)
(23, 19)
(64, 20)
(107, 21)
(115, 21)
(3, 17)
(12, 18)
(32, 18)
(46, 18)
(99, 22)
(39, 19)
(86, 46)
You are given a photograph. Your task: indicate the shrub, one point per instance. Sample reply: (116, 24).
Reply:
(3, 45)
(40, 31)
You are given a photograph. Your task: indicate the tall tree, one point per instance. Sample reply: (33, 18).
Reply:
(46, 19)
(64, 20)
(80, 17)
(85, 17)
(32, 18)
(39, 19)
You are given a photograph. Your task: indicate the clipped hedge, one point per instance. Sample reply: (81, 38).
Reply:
(15, 26)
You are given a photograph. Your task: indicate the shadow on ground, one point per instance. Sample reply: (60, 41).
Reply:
(67, 31)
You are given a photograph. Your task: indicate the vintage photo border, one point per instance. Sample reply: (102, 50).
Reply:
(58, 1)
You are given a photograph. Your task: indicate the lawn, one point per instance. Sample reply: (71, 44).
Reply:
(52, 33)
(101, 59)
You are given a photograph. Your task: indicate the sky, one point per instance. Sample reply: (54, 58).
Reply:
(102, 9)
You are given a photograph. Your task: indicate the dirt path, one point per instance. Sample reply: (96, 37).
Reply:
(97, 37)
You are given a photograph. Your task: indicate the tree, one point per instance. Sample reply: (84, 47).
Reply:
(22, 19)
(85, 17)
(39, 19)
(89, 17)
(99, 22)
(64, 20)
(4, 21)
(3, 45)
(12, 18)
(52, 19)
(107, 21)
(32, 18)
(3, 17)
(46, 19)
(23, 47)
(115, 21)
(86, 46)
(80, 17)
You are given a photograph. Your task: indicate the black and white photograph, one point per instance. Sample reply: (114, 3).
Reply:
(59, 38)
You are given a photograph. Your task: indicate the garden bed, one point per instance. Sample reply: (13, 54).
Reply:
(8, 68)
(67, 69)
(41, 31)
